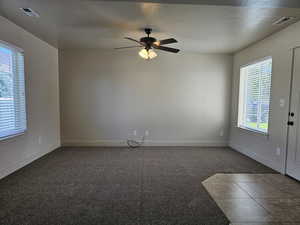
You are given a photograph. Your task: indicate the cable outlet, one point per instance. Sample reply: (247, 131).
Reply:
(278, 151)
(221, 133)
(40, 140)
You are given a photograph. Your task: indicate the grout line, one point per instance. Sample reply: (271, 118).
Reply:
(260, 204)
(251, 197)
(254, 198)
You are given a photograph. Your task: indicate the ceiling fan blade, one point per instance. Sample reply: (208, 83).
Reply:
(167, 41)
(131, 39)
(136, 46)
(163, 48)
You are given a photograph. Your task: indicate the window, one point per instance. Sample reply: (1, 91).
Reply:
(254, 96)
(12, 96)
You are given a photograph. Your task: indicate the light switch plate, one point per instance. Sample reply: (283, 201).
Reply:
(282, 102)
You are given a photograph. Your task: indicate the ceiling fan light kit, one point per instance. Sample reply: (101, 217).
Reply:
(149, 43)
(147, 54)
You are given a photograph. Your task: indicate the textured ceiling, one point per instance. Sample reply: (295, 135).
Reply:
(103, 24)
(247, 3)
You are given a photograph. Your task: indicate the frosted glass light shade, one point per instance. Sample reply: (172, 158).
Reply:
(144, 53)
(151, 54)
(147, 54)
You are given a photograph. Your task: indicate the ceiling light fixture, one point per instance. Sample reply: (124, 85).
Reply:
(147, 53)
(283, 20)
(149, 43)
(30, 12)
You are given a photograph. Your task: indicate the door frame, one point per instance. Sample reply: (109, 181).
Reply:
(289, 109)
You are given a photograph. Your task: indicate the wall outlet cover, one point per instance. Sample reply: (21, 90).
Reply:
(221, 133)
(278, 151)
(40, 140)
(282, 102)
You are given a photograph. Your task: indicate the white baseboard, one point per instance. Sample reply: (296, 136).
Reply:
(122, 143)
(248, 152)
(18, 165)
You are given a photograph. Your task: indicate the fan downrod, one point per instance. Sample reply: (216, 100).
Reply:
(148, 31)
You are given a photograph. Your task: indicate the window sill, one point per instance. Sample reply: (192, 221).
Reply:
(11, 136)
(253, 131)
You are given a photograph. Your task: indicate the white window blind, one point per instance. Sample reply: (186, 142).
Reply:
(254, 95)
(12, 91)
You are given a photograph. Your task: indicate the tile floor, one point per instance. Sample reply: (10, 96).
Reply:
(256, 199)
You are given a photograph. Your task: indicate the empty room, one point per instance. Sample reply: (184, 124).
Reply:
(149, 112)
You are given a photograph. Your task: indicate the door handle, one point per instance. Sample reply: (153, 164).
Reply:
(290, 123)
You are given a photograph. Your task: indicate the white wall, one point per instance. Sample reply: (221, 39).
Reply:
(260, 147)
(42, 96)
(181, 99)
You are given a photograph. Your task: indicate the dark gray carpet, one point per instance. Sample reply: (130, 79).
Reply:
(115, 186)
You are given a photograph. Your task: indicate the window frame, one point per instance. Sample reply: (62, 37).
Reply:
(238, 125)
(14, 48)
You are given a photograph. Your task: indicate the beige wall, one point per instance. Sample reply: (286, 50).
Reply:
(181, 99)
(260, 147)
(42, 96)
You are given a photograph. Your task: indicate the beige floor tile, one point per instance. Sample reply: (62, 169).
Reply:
(279, 179)
(217, 178)
(243, 210)
(291, 189)
(209, 180)
(286, 210)
(264, 190)
(245, 178)
(267, 223)
(256, 199)
(234, 178)
(225, 191)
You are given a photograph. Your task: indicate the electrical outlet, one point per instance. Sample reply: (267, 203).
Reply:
(221, 133)
(134, 132)
(278, 151)
(146, 132)
(40, 140)
(282, 102)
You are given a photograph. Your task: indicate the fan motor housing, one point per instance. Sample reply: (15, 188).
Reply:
(148, 40)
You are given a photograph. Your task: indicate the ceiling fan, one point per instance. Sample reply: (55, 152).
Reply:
(149, 43)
